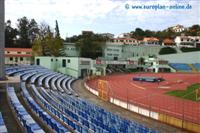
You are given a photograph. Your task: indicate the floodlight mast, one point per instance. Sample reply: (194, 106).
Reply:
(2, 39)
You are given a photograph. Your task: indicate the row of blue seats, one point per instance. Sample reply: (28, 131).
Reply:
(47, 80)
(57, 113)
(30, 73)
(94, 115)
(37, 75)
(82, 112)
(53, 82)
(50, 82)
(43, 73)
(181, 66)
(69, 86)
(21, 69)
(103, 126)
(64, 85)
(30, 126)
(51, 122)
(3, 128)
(58, 83)
(70, 113)
(40, 81)
(26, 73)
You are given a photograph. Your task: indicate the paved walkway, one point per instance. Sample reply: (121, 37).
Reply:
(85, 94)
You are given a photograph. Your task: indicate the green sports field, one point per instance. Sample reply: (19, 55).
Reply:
(189, 93)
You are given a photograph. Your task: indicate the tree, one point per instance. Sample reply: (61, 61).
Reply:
(57, 34)
(167, 50)
(10, 35)
(23, 27)
(90, 45)
(193, 30)
(33, 30)
(141, 61)
(73, 39)
(46, 44)
(138, 34)
(28, 30)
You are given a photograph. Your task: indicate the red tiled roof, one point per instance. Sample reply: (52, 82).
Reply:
(168, 41)
(150, 39)
(19, 49)
(124, 38)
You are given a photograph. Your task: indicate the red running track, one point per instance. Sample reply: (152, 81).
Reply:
(152, 95)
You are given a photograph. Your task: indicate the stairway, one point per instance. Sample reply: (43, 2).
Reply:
(193, 68)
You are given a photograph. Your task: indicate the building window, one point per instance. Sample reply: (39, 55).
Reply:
(18, 52)
(63, 63)
(28, 53)
(21, 59)
(11, 58)
(16, 59)
(51, 60)
(68, 61)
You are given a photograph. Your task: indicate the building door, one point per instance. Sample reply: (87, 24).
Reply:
(83, 73)
(37, 61)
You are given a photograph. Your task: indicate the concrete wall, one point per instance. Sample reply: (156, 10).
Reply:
(112, 50)
(2, 39)
(124, 52)
(73, 66)
(48, 62)
(71, 50)
(18, 61)
(188, 57)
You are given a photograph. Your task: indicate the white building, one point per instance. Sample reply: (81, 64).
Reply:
(17, 56)
(108, 35)
(178, 28)
(156, 65)
(124, 35)
(122, 41)
(187, 41)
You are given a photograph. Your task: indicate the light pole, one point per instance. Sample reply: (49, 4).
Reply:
(2, 40)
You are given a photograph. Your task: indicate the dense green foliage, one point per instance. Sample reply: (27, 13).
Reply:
(139, 33)
(90, 45)
(141, 61)
(189, 93)
(167, 50)
(23, 35)
(47, 44)
(183, 49)
(10, 35)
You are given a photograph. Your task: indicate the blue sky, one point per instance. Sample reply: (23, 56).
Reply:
(102, 16)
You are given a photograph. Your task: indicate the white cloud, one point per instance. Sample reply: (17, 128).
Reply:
(88, 13)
